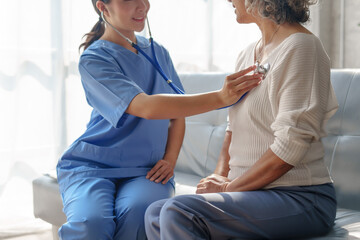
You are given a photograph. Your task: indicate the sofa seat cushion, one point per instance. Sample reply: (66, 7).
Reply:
(48, 206)
(347, 226)
(185, 183)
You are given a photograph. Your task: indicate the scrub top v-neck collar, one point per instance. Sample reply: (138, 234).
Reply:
(143, 43)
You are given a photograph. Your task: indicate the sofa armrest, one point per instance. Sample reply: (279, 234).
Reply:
(47, 201)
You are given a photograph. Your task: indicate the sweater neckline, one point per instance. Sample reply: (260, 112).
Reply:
(278, 46)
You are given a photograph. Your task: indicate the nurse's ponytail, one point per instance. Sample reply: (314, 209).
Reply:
(97, 31)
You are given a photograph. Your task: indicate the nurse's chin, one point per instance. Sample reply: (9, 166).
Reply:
(139, 29)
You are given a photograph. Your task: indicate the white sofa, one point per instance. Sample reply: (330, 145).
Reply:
(203, 140)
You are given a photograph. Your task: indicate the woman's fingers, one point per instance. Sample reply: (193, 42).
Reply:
(200, 190)
(212, 178)
(201, 185)
(208, 186)
(215, 178)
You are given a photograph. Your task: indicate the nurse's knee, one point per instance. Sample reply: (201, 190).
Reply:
(134, 211)
(131, 217)
(88, 228)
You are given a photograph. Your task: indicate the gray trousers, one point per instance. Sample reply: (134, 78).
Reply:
(279, 213)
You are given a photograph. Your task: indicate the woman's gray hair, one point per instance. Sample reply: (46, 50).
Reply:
(281, 11)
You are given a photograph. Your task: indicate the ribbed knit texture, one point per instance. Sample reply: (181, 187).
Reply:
(287, 112)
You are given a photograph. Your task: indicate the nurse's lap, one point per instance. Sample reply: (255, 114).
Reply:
(141, 190)
(91, 197)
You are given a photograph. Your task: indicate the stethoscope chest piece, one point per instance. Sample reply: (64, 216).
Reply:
(264, 69)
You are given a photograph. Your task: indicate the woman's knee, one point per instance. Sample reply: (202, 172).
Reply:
(152, 213)
(175, 210)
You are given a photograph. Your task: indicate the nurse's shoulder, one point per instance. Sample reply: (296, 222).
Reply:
(98, 52)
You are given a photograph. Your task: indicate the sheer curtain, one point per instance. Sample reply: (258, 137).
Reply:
(42, 103)
(30, 98)
(37, 58)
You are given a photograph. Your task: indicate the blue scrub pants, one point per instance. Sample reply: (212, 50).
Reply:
(279, 213)
(100, 208)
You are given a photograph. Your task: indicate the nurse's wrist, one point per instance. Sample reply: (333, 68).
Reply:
(220, 99)
(171, 158)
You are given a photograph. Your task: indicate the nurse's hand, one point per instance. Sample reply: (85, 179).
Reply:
(162, 171)
(238, 84)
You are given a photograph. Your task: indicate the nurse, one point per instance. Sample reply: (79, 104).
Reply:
(125, 159)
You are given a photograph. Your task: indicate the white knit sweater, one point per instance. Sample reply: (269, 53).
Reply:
(287, 112)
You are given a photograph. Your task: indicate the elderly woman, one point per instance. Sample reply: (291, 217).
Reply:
(270, 181)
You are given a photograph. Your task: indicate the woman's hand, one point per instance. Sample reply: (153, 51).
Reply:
(238, 84)
(212, 184)
(162, 171)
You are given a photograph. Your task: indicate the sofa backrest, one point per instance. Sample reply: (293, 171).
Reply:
(342, 144)
(205, 133)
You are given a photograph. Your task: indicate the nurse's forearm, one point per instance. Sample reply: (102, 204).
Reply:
(175, 139)
(172, 106)
(266, 170)
(222, 167)
(164, 106)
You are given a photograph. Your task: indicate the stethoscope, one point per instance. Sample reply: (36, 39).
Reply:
(259, 68)
(153, 61)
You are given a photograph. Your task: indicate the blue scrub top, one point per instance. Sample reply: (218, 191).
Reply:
(116, 144)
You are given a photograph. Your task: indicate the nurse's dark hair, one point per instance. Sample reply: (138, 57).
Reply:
(97, 31)
(282, 11)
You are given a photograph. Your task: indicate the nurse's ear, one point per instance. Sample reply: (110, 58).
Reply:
(100, 5)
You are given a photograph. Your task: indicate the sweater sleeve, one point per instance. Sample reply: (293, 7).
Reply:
(298, 97)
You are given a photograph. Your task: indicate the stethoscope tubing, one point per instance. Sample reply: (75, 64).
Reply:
(157, 66)
(241, 98)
